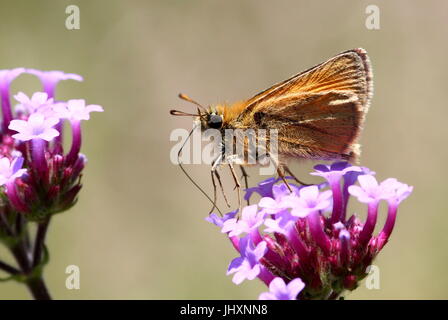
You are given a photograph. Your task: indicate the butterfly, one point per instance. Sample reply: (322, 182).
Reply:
(317, 114)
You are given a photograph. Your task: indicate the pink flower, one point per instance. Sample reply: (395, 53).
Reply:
(39, 102)
(247, 266)
(36, 127)
(54, 75)
(370, 191)
(310, 200)
(50, 79)
(302, 251)
(6, 77)
(76, 110)
(250, 220)
(278, 290)
(281, 224)
(10, 170)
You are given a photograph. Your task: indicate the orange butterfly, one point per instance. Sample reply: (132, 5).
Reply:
(318, 113)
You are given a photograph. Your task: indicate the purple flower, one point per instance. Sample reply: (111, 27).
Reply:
(281, 224)
(50, 79)
(325, 255)
(219, 221)
(333, 174)
(37, 178)
(309, 200)
(36, 127)
(247, 266)
(271, 205)
(76, 110)
(264, 188)
(278, 290)
(349, 179)
(10, 170)
(52, 181)
(6, 77)
(396, 191)
(369, 190)
(274, 203)
(281, 190)
(399, 192)
(371, 193)
(39, 102)
(250, 220)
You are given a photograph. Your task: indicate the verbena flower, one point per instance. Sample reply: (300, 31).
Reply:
(39, 102)
(247, 266)
(309, 249)
(76, 110)
(219, 221)
(10, 170)
(250, 220)
(53, 181)
(38, 178)
(278, 290)
(37, 126)
(50, 79)
(6, 77)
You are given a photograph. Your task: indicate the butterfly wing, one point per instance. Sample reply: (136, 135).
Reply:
(318, 113)
(347, 71)
(315, 125)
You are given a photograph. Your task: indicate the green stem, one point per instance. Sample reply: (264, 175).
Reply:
(40, 242)
(38, 288)
(8, 269)
(29, 262)
(21, 257)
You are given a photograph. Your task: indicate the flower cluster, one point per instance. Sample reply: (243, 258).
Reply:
(302, 244)
(37, 177)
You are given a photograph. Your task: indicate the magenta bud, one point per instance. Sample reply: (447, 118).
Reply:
(14, 198)
(350, 282)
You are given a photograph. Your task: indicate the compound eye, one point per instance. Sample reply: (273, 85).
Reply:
(214, 121)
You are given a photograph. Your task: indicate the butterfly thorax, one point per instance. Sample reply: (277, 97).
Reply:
(221, 116)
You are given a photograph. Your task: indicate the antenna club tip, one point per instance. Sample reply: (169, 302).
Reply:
(187, 98)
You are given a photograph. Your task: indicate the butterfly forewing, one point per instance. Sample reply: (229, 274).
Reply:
(349, 70)
(319, 112)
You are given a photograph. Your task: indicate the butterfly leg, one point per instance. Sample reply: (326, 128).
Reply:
(237, 184)
(280, 171)
(214, 171)
(214, 194)
(281, 174)
(245, 176)
(222, 188)
(295, 178)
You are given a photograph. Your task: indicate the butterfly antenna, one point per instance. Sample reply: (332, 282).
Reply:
(188, 176)
(187, 98)
(182, 114)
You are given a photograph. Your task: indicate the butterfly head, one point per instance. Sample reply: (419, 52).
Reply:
(207, 118)
(211, 120)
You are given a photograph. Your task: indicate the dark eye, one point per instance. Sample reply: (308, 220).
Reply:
(214, 121)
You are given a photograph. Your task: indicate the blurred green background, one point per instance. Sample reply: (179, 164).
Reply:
(138, 231)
